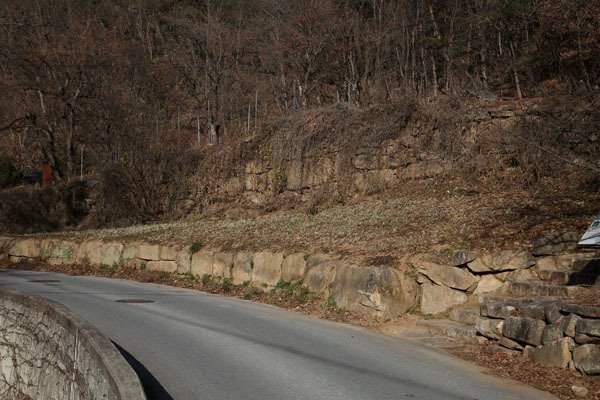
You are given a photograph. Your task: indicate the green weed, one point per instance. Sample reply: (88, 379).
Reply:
(331, 303)
(293, 292)
(195, 247)
(188, 277)
(206, 279)
(226, 284)
(109, 269)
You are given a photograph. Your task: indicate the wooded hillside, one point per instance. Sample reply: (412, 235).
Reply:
(129, 93)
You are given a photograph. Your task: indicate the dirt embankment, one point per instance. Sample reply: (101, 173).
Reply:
(510, 161)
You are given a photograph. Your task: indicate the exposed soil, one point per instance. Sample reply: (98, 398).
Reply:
(500, 362)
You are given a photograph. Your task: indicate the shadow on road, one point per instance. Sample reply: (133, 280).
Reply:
(154, 390)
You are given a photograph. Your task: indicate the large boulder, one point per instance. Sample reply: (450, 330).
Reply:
(488, 284)
(452, 277)
(587, 359)
(554, 354)
(584, 311)
(534, 309)
(465, 315)
(581, 338)
(99, 253)
(242, 268)
(569, 324)
(202, 262)
(437, 299)
(293, 268)
(267, 268)
(521, 275)
(56, 251)
(590, 327)
(320, 273)
(461, 257)
(561, 262)
(110, 253)
(222, 264)
(552, 333)
(498, 309)
(184, 260)
(524, 330)
(378, 291)
(168, 253)
(149, 252)
(130, 251)
(29, 248)
(509, 344)
(47, 247)
(4, 243)
(505, 260)
(490, 328)
(162, 266)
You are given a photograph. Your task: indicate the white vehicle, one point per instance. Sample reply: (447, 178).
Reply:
(591, 238)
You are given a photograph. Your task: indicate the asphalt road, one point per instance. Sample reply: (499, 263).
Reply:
(192, 345)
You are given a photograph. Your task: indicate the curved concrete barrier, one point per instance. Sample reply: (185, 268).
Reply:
(47, 352)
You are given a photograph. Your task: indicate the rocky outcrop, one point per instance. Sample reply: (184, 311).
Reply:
(490, 328)
(524, 329)
(378, 291)
(470, 275)
(506, 260)
(452, 277)
(587, 359)
(436, 299)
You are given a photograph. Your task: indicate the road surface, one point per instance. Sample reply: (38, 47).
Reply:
(187, 344)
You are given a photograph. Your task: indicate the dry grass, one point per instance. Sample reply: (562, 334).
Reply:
(426, 216)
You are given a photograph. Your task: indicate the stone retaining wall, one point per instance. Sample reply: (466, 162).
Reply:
(375, 291)
(48, 353)
(420, 282)
(552, 333)
(470, 276)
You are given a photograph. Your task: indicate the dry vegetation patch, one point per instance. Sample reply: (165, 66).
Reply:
(425, 216)
(512, 365)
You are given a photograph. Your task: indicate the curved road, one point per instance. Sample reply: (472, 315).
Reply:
(192, 345)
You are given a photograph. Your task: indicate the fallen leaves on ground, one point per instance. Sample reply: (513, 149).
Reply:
(509, 364)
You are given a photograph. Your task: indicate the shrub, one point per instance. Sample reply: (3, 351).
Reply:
(29, 209)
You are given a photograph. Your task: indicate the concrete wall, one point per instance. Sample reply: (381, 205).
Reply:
(47, 352)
